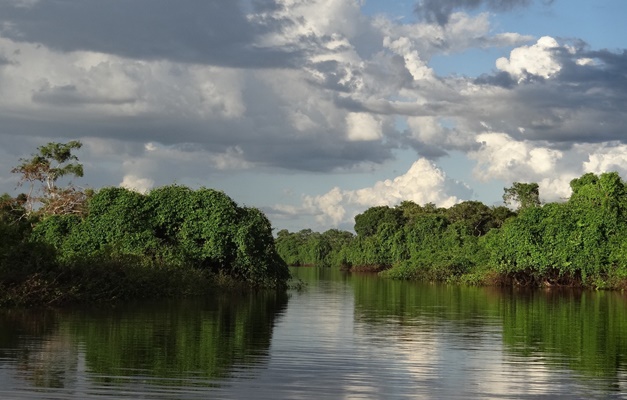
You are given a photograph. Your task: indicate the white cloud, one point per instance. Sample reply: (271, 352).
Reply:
(319, 17)
(362, 126)
(502, 157)
(537, 60)
(136, 183)
(505, 158)
(427, 129)
(607, 158)
(232, 159)
(404, 47)
(303, 85)
(87, 83)
(445, 133)
(329, 206)
(556, 189)
(156, 155)
(422, 183)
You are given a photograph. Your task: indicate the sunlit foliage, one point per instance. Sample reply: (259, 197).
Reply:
(60, 244)
(580, 242)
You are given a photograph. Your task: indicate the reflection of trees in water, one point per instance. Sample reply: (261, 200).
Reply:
(588, 330)
(42, 353)
(202, 339)
(51, 363)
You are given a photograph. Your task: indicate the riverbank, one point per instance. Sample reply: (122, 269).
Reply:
(581, 242)
(487, 277)
(113, 281)
(123, 245)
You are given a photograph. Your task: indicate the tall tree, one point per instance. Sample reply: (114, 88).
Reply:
(41, 172)
(524, 195)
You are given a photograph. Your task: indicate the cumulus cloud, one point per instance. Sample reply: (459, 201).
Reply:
(337, 111)
(502, 157)
(135, 183)
(546, 93)
(362, 126)
(535, 60)
(606, 157)
(404, 47)
(461, 33)
(183, 93)
(422, 183)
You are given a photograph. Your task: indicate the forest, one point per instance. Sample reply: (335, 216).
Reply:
(581, 242)
(64, 244)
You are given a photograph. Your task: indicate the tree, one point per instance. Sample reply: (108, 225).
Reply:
(473, 214)
(500, 214)
(524, 195)
(367, 223)
(53, 161)
(607, 191)
(410, 210)
(172, 226)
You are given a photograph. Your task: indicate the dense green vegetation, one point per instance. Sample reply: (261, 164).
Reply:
(64, 244)
(580, 242)
(312, 248)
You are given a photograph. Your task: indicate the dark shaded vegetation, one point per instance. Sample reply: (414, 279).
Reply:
(581, 242)
(113, 244)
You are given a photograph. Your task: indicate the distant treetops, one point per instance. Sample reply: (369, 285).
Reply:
(582, 241)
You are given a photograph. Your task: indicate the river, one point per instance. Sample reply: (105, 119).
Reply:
(345, 336)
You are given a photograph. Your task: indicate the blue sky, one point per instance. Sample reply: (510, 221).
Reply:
(315, 110)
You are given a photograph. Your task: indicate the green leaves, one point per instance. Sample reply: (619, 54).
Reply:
(53, 161)
(312, 248)
(367, 223)
(172, 226)
(581, 241)
(524, 195)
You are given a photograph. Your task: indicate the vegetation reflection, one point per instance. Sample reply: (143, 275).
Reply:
(585, 331)
(171, 341)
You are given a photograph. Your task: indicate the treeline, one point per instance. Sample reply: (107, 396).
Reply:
(62, 244)
(580, 242)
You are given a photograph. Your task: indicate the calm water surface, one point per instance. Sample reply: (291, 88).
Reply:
(343, 337)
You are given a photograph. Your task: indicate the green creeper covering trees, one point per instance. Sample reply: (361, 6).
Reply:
(579, 242)
(173, 225)
(524, 195)
(62, 244)
(312, 248)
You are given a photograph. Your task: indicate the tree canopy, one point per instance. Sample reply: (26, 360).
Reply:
(522, 195)
(582, 241)
(61, 243)
(41, 173)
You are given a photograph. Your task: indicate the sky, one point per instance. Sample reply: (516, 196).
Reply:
(315, 110)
